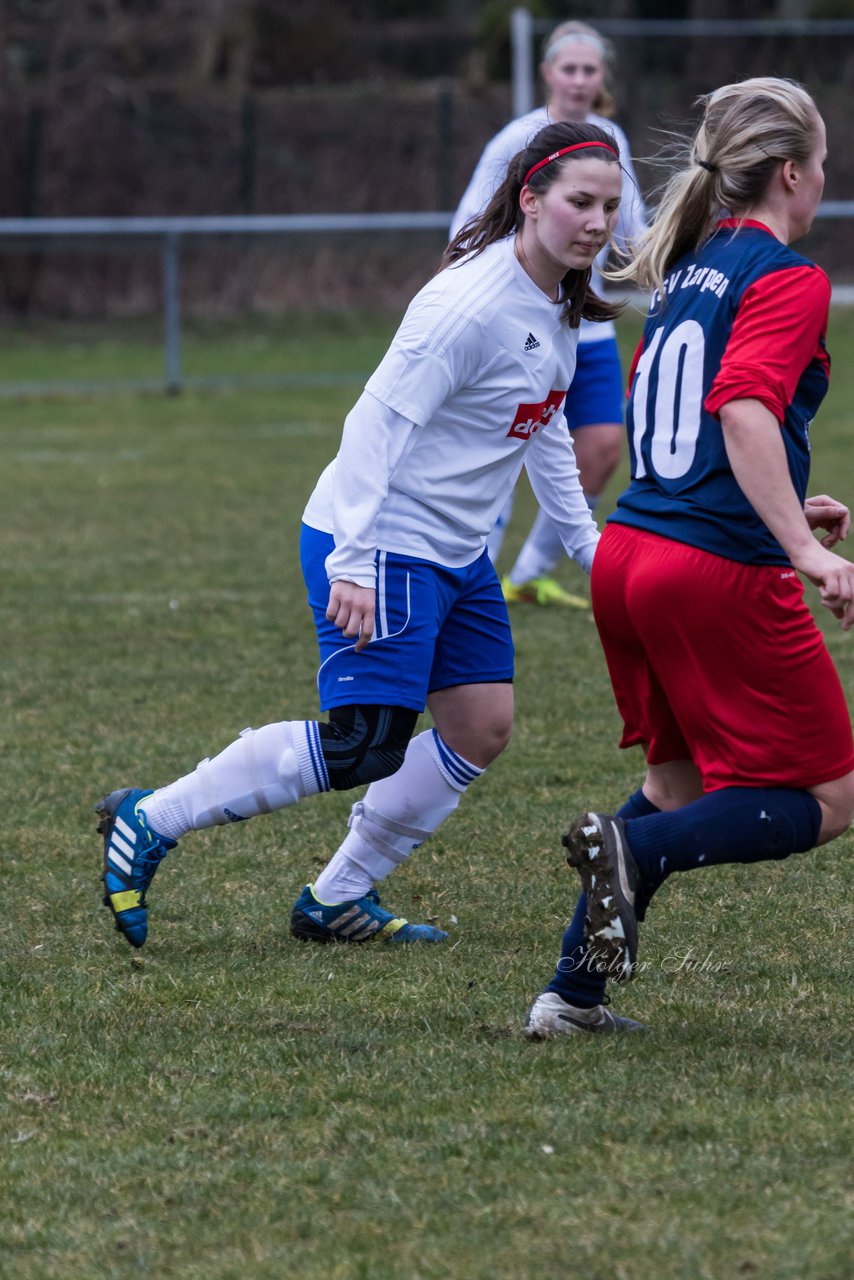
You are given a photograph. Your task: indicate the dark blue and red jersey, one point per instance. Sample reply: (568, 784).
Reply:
(744, 317)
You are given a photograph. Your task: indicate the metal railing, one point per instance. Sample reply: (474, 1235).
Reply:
(173, 232)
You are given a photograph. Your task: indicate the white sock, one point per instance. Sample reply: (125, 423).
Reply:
(541, 551)
(396, 816)
(263, 770)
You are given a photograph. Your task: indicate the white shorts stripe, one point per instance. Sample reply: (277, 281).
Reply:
(382, 620)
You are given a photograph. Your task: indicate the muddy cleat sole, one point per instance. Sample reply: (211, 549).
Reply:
(550, 1016)
(596, 846)
(132, 854)
(362, 920)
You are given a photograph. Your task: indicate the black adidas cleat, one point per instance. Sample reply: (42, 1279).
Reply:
(596, 846)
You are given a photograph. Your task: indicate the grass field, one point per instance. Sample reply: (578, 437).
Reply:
(230, 1103)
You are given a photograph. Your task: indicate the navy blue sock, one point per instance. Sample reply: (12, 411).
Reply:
(575, 979)
(737, 824)
(637, 806)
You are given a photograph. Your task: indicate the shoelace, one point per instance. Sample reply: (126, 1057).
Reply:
(149, 862)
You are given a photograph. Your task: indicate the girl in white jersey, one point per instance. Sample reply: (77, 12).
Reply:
(408, 609)
(577, 63)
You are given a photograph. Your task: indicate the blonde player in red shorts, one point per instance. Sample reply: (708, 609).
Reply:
(718, 668)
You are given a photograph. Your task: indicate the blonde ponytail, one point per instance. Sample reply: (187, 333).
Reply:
(747, 130)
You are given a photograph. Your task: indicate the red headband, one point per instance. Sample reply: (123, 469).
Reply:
(576, 146)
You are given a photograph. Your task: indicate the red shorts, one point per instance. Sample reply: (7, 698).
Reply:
(718, 662)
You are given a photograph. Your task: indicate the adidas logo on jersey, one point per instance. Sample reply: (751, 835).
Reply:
(531, 343)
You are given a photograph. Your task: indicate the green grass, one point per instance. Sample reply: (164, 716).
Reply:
(230, 1103)
(327, 346)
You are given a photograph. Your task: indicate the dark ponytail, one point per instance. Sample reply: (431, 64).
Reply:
(503, 216)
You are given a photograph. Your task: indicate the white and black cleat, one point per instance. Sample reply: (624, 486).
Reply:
(551, 1016)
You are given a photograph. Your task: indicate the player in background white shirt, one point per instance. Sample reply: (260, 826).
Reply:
(408, 608)
(576, 66)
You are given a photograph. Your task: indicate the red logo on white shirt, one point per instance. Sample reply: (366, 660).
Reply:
(530, 417)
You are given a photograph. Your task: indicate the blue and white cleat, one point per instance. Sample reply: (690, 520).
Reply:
(132, 854)
(363, 920)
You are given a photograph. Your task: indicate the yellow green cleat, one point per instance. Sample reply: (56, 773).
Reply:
(542, 591)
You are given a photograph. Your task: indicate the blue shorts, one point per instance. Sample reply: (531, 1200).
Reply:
(596, 393)
(435, 627)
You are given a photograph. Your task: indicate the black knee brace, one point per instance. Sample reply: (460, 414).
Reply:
(362, 744)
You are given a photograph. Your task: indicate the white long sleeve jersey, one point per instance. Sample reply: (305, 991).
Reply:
(467, 393)
(490, 171)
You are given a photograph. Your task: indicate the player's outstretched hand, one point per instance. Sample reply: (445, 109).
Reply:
(834, 577)
(824, 512)
(837, 594)
(352, 609)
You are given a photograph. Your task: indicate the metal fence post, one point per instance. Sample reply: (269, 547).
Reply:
(522, 40)
(172, 311)
(445, 131)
